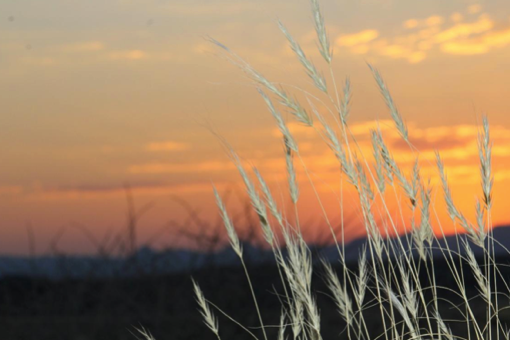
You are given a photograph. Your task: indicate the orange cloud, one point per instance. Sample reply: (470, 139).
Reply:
(473, 9)
(360, 129)
(497, 39)
(479, 45)
(456, 17)
(461, 38)
(466, 48)
(483, 24)
(397, 51)
(434, 20)
(362, 37)
(501, 150)
(502, 175)
(411, 23)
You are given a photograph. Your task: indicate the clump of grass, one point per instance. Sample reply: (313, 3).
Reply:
(408, 305)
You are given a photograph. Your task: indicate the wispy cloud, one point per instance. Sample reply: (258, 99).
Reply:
(362, 129)
(473, 9)
(455, 36)
(101, 191)
(456, 17)
(410, 23)
(397, 51)
(478, 45)
(433, 20)
(464, 30)
(358, 38)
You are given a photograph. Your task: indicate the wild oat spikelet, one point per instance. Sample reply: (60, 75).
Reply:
(320, 30)
(311, 70)
(209, 318)
(397, 118)
(232, 235)
(485, 155)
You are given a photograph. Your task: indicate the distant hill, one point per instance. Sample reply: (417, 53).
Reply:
(147, 261)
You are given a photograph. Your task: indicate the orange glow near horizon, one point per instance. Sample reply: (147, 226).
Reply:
(123, 95)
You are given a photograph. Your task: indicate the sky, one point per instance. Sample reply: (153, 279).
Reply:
(100, 96)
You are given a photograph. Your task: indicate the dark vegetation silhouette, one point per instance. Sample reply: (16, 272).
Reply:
(67, 303)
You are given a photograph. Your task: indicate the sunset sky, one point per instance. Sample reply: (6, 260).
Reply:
(96, 94)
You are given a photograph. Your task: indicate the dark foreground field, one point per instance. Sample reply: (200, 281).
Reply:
(39, 309)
